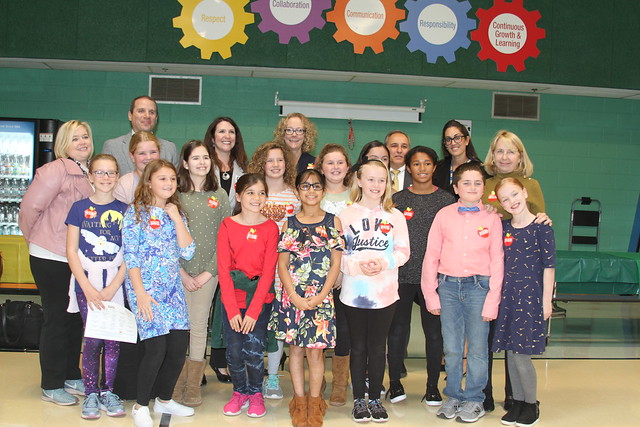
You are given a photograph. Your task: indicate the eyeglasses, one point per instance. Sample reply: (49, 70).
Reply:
(108, 174)
(456, 138)
(297, 131)
(305, 186)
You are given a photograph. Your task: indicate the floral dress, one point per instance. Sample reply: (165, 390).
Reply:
(152, 246)
(310, 248)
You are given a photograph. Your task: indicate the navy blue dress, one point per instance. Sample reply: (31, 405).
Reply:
(520, 325)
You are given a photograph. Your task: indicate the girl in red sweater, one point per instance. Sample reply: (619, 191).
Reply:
(247, 258)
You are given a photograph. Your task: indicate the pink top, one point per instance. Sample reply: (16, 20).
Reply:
(463, 244)
(372, 234)
(56, 186)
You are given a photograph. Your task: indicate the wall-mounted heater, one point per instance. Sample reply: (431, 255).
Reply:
(335, 110)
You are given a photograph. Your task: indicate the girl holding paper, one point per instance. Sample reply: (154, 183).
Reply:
(94, 251)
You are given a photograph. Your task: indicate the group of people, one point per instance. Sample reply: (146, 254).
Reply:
(314, 252)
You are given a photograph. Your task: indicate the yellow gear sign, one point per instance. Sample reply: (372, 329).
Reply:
(360, 42)
(222, 45)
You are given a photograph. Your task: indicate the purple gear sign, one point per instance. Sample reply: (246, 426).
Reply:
(432, 51)
(284, 31)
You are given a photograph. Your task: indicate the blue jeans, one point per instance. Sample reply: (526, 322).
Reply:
(245, 352)
(462, 300)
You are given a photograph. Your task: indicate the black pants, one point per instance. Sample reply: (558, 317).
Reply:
(399, 331)
(488, 390)
(61, 337)
(368, 329)
(218, 357)
(161, 365)
(343, 345)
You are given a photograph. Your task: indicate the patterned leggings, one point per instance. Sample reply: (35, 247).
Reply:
(91, 356)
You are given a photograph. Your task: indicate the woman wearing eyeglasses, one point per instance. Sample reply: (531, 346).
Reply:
(457, 149)
(300, 135)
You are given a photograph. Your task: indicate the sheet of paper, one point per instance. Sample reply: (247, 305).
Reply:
(114, 323)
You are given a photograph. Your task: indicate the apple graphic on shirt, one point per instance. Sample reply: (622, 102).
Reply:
(90, 213)
(408, 213)
(483, 232)
(289, 208)
(154, 223)
(252, 235)
(385, 227)
(492, 197)
(213, 202)
(508, 240)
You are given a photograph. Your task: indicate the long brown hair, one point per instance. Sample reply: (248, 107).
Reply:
(144, 197)
(334, 148)
(247, 180)
(259, 161)
(238, 153)
(185, 184)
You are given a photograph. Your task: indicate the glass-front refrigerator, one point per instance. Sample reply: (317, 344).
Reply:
(25, 145)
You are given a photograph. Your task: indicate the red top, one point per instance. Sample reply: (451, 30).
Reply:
(252, 250)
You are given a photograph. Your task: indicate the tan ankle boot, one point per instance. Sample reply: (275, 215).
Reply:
(340, 370)
(316, 408)
(298, 411)
(192, 394)
(181, 384)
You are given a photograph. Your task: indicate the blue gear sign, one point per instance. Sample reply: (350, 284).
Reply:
(434, 51)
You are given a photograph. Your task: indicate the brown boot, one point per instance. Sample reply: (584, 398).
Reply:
(298, 411)
(181, 384)
(340, 369)
(192, 394)
(316, 408)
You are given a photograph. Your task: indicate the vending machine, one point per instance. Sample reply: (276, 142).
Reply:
(25, 145)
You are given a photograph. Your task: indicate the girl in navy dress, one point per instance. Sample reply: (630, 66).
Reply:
(529, 273)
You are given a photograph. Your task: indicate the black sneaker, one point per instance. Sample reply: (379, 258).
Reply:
(432, 397)
(529, 414)
(512, 415)
(396, 392)
(360, 411)
(489, 405)
(378, 413)
(508, 403)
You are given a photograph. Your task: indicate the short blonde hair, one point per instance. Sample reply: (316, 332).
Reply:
(525, 166)
(356, 191)
(65, 136)
(310, 131)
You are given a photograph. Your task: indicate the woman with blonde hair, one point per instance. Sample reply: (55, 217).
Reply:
(54, 189)
(507, 158)
(298, 133)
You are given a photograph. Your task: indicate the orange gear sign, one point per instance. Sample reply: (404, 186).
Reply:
(529, 49)
(207, 46)
(359, 41)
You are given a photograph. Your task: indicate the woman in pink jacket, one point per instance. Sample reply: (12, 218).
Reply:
(44, 208)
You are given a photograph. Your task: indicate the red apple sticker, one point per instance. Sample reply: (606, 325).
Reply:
(154, 223)
(408, 213)
(289, 208)
(483, 232)
(385, 227)
(508, 240)
(213, 202)
(492, 197)
(90, 213)
(252, 235)
(310, 165)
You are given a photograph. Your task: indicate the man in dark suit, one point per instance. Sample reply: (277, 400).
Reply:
(398, 144)
(143, 115)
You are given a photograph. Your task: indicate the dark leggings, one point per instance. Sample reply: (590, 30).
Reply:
(161, 365)
(488, 390)
(368, 330)
(61, 336)
(343, 345)
(399, 331)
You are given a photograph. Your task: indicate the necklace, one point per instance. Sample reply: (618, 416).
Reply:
(82, 168)
(225, 175)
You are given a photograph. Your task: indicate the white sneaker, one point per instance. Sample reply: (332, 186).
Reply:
(172, 407)
(141, 416)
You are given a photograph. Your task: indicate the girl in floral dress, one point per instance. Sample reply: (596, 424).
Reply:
(155, 236)
(309, 263)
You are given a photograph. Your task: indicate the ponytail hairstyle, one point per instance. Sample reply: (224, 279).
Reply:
(246, 181)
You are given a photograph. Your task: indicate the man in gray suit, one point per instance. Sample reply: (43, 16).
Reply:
(143, 115)
(398, 144)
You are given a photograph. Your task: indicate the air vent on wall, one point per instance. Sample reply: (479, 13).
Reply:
(176, 89)
(516, 106)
